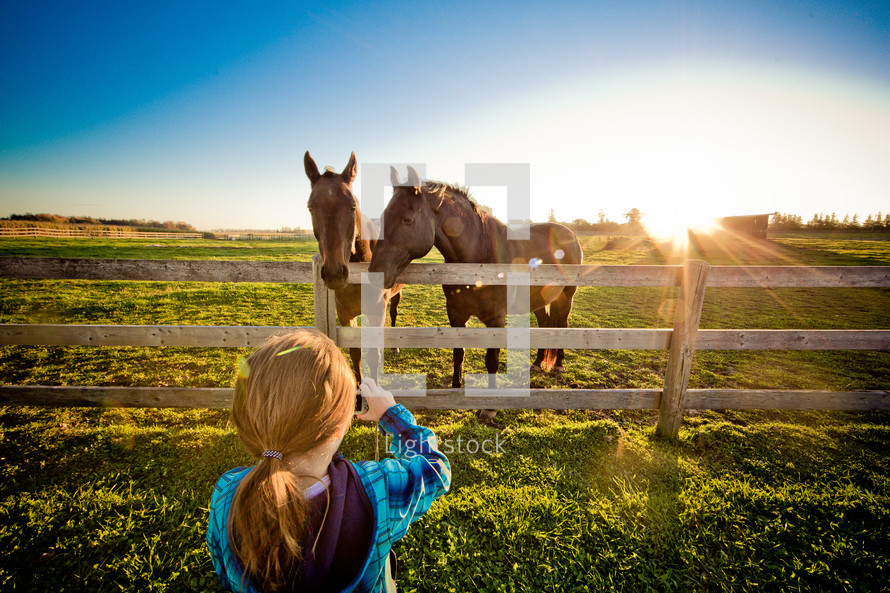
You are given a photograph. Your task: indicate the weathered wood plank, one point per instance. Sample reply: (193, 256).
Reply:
(497, 274)
(799, 276)
(51, 268)
(137, 335)
(450, 399)
(625, 338)
(221, 398)
(438, 273)
(443, 337)
(777, 399)
(477, 337)
(683, 340)
(594, 275)
(793, 339)
(124, 397)
(545, 399)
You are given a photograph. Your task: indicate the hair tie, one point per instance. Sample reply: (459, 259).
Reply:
(274, 454)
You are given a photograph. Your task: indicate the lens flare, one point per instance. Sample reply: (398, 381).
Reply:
(288, 351)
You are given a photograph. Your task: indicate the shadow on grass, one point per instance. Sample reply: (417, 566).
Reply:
(103, 499)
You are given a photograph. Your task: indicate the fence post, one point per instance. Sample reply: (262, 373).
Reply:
(324, 304)
(683, 338)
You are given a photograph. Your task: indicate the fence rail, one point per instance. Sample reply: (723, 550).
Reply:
(692, 279)
(235, 336)
(50, 268)
(454, 399)
(96, 233)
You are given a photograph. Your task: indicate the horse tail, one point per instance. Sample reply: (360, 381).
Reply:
(549, 354)
(556, 315)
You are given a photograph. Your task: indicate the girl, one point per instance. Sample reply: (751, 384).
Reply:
(303, 518)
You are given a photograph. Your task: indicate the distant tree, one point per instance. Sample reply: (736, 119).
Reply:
(89, 220)
(552, 216)
(634, 221)
(579, 224)
(633, 216)
(782, 222)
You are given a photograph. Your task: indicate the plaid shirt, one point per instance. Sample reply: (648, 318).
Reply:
(401, 490)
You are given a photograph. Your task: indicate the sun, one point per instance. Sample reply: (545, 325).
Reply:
(673, 225)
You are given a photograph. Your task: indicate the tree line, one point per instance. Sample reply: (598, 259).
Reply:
(830, 222)
(633, 222)
(43, 218)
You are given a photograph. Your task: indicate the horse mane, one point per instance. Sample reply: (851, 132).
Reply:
(456, 193)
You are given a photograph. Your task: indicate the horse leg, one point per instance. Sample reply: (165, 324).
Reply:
(394, 307)
(491, 363)
(543, 317)
(393, 313)
(491, 367)
(354, 353)
(457, 319)
(560, 310)
(457, 374)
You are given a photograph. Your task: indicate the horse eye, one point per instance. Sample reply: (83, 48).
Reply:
(407, 220)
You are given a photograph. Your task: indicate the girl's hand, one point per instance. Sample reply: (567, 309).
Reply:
(379, 400)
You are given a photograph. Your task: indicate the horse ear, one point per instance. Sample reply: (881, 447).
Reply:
(394, 176)
(349, 172)
(413, 177)
(311, 168)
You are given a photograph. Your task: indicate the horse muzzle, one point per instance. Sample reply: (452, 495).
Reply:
(335, 278)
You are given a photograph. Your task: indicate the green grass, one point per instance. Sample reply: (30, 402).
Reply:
(159, 249)
(115, 499)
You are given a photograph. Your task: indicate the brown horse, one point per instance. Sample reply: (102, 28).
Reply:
(420, 216)
(337, 223)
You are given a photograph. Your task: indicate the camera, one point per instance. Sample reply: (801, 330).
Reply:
(361, 405)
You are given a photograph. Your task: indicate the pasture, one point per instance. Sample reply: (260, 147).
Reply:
(110, 499)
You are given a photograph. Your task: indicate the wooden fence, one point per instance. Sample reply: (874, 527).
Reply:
(98, 233)
(682, 341)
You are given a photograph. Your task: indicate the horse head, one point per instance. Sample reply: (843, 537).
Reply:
(409, 228)
(335, 218)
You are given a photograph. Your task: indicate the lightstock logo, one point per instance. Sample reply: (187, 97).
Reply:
(515, 177)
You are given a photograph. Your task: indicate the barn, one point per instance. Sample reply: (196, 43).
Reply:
(752, 226)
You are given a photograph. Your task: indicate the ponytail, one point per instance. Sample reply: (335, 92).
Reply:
(292, 395)
(268, 517)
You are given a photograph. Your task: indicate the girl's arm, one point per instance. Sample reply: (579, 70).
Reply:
(419, 474)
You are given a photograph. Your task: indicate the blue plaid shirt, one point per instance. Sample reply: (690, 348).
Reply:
(401, 490)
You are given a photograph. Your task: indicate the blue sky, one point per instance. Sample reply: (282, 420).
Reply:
(201, 111)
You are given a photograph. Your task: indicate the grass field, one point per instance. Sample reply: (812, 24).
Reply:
(111, 499)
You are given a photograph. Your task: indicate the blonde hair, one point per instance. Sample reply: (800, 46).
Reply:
(293, 394)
